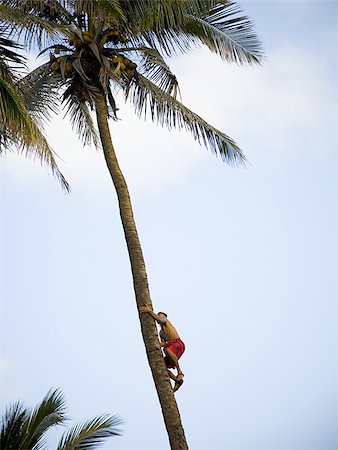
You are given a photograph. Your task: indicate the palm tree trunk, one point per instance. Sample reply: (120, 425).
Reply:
(164, 390)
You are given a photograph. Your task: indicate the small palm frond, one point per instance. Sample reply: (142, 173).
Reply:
(153, 67)
(40, 90)
(156, 24)
(7, 55)
(50, 412)
(18, 128)
(113, 8)
(12, 427)
(95, 8)
(216, 24)
(14, 114)
(55, 47)
(89, 435)
(81, 120)
(169, 41)
(153, 15)
(224, 31)
(40, 150)
(166, 111)
(25, 20)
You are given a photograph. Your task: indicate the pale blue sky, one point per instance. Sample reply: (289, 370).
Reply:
(243, 261)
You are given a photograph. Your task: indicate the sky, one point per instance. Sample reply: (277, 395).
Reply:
(244, 261)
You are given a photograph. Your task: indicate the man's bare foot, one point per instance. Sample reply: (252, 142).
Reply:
(178, 384)
(178, 381)
(179, 377)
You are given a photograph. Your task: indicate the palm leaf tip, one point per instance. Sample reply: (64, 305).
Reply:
(90, 434)
(46, 155)
(80, 119)
(225, 31)
(223, 145)
(64, 183)
(50, 412)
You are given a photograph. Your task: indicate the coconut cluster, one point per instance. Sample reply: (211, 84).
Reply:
(120, 65)
(123, 66)
(109, 35)
(112, 35)
(77, 42)
(62, 65)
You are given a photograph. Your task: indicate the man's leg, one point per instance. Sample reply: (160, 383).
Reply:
(171, 375)
(171, 355)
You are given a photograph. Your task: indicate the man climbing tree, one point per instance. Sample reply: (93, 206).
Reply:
(171, 342)
(100, 47)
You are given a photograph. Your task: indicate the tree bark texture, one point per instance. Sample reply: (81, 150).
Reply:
(164, 390)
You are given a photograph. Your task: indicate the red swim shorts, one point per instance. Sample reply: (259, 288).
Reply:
(177, 347)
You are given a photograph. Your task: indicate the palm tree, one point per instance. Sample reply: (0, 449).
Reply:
(20, 120)
(121, 43)
(25, 429)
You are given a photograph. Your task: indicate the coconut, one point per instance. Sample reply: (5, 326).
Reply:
(104, 39)
(87, 37)
(77, 42)
(68, 68)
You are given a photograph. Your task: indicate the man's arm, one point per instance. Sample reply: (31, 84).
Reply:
(147, 309)
(162, 341)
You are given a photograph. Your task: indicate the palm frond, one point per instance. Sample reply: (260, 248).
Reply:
(18, 128)
(153, 15)
(81, 120)
(8, 56)
(46, 155)
(90, 434)
(40, 150)
(153, 67)
(24, 19)
(50, 412)
(156, 24)
(12, 427)
(40, 90)
(113, 8)
(224, 31)
(217, 24)
(24, 429)
(169, 41)
(166, 111)
(14, 114)
(94, 8)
